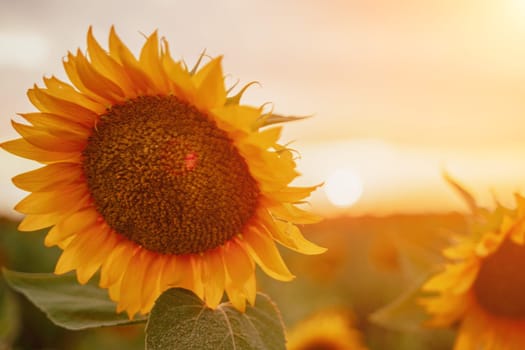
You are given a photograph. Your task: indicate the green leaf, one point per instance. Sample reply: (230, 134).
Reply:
(180, 320)
(404, 313)
(419, 255)
(66, 302)
(9, 317)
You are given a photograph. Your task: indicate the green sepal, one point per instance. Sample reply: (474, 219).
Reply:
(236, 99)
(270, 119)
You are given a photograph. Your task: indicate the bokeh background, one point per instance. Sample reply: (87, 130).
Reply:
(399, 91)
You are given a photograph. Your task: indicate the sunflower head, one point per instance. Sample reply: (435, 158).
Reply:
(325, 330)
(482, 285)
(158, 178)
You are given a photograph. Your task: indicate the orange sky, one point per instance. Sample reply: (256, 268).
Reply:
(398, 89)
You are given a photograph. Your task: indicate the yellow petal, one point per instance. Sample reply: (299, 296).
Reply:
(42, 139)
(292, 194)
(488, 244)
(37, 222)
(96, 82)
(151, 289)
(213, 277)
(210, 85)
(57, 125)
(291, 213)
(271, 169)
(183, 271)
(459, 251)
(150, 62)
(74, 223)
(48, 177)
(517, 232)
(107, 66)
(242, 117)
(290, 236)
(180, 79)
(119, 52)
(133, 281)
(446, 307)
(456, 278)
(71, 68)
(196, 278)
(242, 291)
(250, 289)
(62, 90)
(473, 334)
(266, 138)
(240, 270)
(67, 261)
(63, 244)
(237, 298)
(239, 265)
(174, 269)
(74, 254)
(117, 49)
(263, 251)
(45, 102)
(24, 149)
(52, 202)
(114, 293)
(116, 264)
(95, 253)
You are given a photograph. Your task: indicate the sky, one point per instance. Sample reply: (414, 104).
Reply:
(398, 91)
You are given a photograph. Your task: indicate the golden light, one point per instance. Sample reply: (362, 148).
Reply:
(23, 50)
(343, 187)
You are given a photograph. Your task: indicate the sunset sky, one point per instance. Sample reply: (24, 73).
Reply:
(399, 91)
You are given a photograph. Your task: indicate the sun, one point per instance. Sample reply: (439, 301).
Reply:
(343, 187)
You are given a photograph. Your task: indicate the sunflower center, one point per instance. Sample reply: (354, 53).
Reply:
(322, 345)
(500, 285)
(163, 174)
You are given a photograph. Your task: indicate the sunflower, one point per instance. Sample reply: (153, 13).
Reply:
(325, 330)
(482, 284)
(158, 178)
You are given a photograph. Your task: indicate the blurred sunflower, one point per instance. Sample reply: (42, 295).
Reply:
(326, 330)
(483, 283)
(158, 178)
